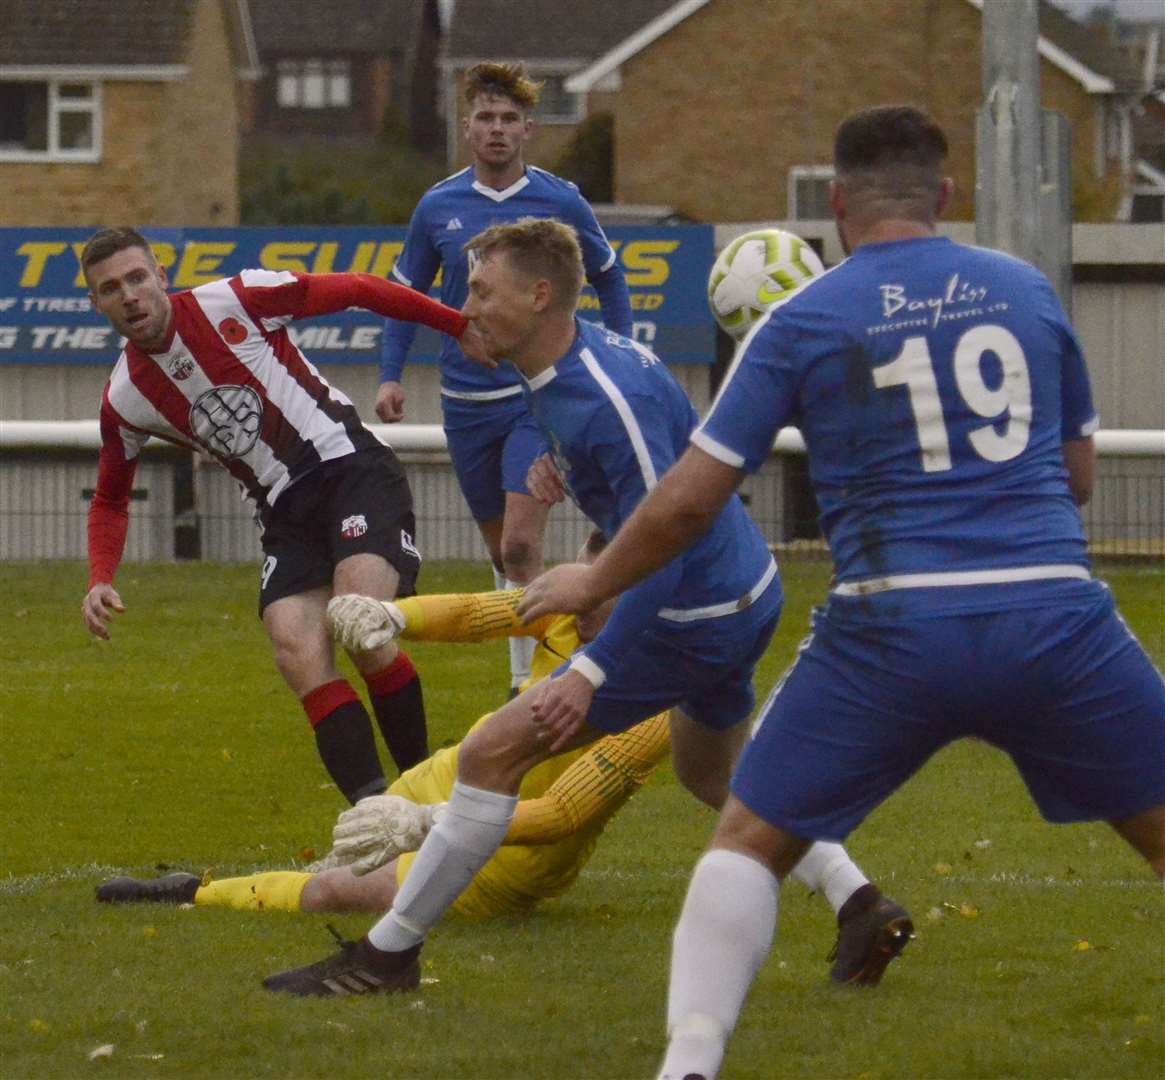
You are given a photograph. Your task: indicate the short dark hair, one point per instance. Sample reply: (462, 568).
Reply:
(106, 242)
(889, 137)
(538, 248)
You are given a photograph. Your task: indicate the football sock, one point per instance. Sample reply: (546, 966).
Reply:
(722, 938)
(399, 705)
(468, 833)
(827, 868)
(277, 890)
(521, 650)
(344, 739)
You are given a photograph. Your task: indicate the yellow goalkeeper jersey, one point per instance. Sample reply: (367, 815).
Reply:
(565, 801)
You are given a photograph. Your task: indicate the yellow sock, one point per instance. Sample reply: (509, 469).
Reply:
(277, 890)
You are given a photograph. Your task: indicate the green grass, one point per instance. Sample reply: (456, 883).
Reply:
(177, 745)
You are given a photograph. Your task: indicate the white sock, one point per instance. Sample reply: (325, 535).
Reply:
(723, 936)
(827, 868)
(464, 839)
(521, 650)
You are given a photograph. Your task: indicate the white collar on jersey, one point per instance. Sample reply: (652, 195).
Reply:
(505, 193)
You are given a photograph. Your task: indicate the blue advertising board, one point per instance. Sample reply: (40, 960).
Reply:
(45, 315)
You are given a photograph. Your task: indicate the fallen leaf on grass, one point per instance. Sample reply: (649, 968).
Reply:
(149, 931)
(307, 854)
(968, 910)
(942, 869)
(99, 1052)
(934, 915)
(38, 1025)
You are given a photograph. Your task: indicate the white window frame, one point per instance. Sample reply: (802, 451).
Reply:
(335, 84)
(56, 106)
(804, 172)
(578, 111)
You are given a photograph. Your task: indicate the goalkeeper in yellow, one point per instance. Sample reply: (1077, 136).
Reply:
(565, 802)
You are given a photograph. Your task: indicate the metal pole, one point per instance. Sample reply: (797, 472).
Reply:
(1007, 177)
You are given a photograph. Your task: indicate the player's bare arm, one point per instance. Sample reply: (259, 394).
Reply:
(681, 506)
(1080, 461)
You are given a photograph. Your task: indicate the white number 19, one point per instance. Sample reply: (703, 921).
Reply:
(914, 369)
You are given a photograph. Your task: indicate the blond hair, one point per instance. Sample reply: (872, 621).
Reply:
(502, 80)
(539, 248)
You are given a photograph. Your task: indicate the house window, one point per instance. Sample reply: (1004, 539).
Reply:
(50, 120)
(313, 84)
(809, 192)
(555, 104)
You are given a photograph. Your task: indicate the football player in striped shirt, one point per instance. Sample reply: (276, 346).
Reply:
(688, 639)
(492, 438)
(213, 369)
(566, 801)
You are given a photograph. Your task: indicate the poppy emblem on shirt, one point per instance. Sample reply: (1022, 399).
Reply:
(181, 367)
(233, 332)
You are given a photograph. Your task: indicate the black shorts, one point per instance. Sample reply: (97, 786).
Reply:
(357, 504)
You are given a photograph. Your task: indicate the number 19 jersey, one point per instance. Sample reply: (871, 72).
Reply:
(934, 384)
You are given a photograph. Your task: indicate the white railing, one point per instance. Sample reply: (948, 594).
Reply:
(85, 435)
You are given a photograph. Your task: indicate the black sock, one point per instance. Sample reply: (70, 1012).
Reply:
(399, 705)
(348, 749)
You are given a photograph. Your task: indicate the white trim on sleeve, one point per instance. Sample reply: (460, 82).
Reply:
(718, 450)
(589, 670)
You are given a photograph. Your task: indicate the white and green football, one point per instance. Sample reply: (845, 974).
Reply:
(753, 272)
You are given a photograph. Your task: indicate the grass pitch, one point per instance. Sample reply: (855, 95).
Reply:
(1039, 951)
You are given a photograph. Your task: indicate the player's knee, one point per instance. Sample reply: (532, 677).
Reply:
(519, 557)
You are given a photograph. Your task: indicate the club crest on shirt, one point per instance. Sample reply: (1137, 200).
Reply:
(353, 527)
(226, 420)
(181, 367)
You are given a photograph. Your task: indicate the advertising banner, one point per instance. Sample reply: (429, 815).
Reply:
(45, 315)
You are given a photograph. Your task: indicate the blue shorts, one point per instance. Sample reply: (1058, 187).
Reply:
(705, 669)
(1064, 689)
(492, 445)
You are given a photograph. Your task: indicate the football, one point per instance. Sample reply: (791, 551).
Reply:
(753, 272)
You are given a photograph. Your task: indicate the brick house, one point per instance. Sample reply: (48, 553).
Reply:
(555, 39)
(124, 110)
(760, 85)
(335, 69)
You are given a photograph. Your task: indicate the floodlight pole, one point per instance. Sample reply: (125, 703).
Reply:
(1022, 178)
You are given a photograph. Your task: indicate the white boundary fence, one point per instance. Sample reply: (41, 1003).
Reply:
(48, 468)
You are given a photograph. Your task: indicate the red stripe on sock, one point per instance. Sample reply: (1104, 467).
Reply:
(390, 679)
(325, 700)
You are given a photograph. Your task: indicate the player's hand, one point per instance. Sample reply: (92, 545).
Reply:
(390, 402)
(98, 607)
(560, 708)
(363, 623)
(544, 481)
(562, 590)
(378, 829)
(473, 345)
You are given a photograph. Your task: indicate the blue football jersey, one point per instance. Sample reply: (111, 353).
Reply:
(451, 213)
(615, 420)
(934, 384)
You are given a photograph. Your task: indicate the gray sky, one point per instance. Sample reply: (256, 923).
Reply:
(1140, 10)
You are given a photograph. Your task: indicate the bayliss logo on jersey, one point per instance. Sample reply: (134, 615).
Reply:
(353, 527)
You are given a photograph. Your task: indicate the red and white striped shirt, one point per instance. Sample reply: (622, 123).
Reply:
(231, 384)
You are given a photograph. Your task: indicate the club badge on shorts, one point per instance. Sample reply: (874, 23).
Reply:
(351, 528)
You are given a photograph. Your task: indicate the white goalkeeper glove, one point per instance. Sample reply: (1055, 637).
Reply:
(378, 829)
(363, 623)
